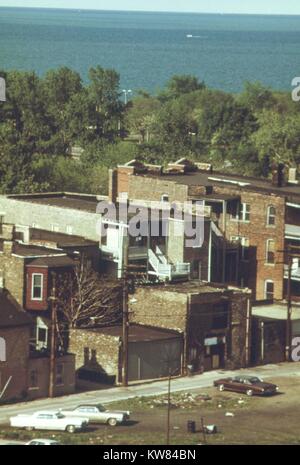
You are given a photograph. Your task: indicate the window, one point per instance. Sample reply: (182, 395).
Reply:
(69, 229)
(59, 374)
(242, 212)
(245, 244)
(165, 198)
(270, 251)
(42, 335)
(271, 216)
(37, 287)
(33, 381)
(269, 290)
(54, 227)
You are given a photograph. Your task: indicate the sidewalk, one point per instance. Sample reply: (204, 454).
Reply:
(146, 389)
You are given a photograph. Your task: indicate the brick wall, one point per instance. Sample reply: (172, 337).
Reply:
(258, 233)
(159, 308)
(143, 188)
(240, 330)
(12, 270)
(42, 368)
(36, 304)
(16, 365)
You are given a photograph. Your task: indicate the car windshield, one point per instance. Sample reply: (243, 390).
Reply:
(254, 380)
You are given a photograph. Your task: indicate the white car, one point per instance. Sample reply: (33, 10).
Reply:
(42, 442)
(50, 420)
(98, 414)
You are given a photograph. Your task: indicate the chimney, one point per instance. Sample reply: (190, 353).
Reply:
(8, 247)
(8, 231)
(278, 175)
(113, 185)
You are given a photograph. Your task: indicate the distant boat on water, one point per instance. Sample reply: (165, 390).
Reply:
(191, 36)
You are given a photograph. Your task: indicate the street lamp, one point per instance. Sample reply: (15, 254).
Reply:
(126, 92)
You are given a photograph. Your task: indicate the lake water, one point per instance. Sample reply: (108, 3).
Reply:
(148, 48)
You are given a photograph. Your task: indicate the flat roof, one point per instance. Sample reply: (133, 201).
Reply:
(52, 262)
(28, 250)
(62, 239)
(83, 202)
(186, 287)
(275, 312)
(234, 181)
(138, 333)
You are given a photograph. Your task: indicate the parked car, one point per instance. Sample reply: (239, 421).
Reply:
(98, 414)
(42, 442)
(49, 420)
(250, 385)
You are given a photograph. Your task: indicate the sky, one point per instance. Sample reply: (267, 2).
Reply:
(209, 6)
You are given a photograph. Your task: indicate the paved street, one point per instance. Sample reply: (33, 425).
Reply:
(145, 389)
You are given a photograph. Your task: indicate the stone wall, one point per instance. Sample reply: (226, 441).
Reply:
(155, 307)
(95, 351)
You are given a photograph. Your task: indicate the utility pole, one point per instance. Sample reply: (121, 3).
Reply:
(169, 410)
(289, 310)
(125, 313)
(53, 301)
(290, 256)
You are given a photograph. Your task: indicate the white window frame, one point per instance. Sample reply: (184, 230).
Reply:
(69, 229)
(242, 212)
(39, 299)
(269, 281)
(267, 251)
(54, 227)
(271, 216)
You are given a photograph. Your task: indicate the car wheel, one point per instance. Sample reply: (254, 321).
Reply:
(71, 429)
(249, 392)
(221, 387)
(112, 422)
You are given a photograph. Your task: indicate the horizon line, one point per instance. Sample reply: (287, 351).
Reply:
(149, 11)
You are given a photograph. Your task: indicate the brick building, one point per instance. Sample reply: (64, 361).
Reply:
(24, 374)
(257, 218)
(152, 352)
(27, 272)
(214, 321)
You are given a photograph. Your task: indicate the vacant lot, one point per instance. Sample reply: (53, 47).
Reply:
(256, 420)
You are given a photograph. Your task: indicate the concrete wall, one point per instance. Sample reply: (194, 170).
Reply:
(26, 213)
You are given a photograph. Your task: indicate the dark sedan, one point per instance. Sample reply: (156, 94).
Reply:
(250, 385)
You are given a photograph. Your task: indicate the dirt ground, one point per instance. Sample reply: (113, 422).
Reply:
(255, 420)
